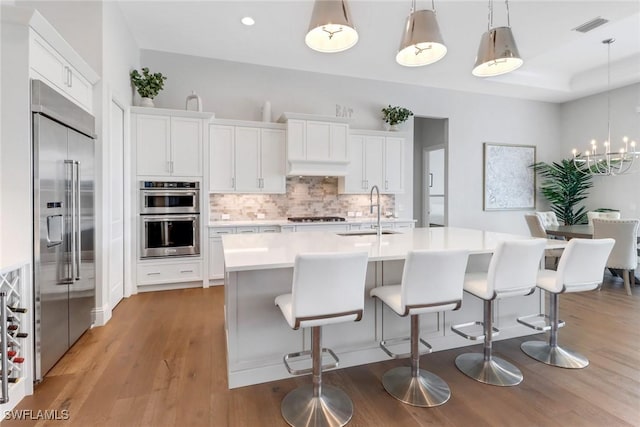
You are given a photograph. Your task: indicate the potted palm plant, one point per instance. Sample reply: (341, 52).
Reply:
(565, 185)
(395, 115)
(148, 85)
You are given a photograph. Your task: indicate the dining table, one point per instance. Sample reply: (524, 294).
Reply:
(581, 231)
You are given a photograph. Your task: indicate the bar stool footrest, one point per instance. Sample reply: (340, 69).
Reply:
(394, 341)
(525, 320)
(307, 353)
(458, 330)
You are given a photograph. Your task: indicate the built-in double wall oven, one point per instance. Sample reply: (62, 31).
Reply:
(169, 219)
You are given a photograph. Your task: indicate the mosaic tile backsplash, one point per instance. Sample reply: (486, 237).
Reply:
(306, 196)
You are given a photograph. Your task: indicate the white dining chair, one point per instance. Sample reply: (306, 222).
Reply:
(536, 228)
(625, 251)
(548, 218)
(591, 215)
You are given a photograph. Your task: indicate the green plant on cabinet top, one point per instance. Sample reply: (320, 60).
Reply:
(395, 115)
(147, 84)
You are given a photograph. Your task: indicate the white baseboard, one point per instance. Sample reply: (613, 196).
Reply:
(101, 315)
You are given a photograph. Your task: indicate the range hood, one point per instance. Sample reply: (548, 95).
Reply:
(316, 145)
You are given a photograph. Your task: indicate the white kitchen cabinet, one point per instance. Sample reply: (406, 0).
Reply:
(48, 65)
(168, 146)
(375, 159)
(150, 273)
(316, 147)
(393, 165)
(221, 159)
(246, 159)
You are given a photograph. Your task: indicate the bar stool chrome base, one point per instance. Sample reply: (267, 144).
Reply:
(494, 371)
(425, 390)
(333, 408)
(554, 356)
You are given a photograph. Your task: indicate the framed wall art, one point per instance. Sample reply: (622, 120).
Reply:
(509, 182)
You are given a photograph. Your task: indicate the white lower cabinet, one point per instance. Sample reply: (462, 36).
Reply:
(157, 273)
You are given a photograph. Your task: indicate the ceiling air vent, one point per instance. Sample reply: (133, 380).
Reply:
(590, 25)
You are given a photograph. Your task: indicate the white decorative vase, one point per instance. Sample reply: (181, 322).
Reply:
(393, 128)
(146, 102)
(266, 112)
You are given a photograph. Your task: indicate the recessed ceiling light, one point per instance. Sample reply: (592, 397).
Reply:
(248, 21)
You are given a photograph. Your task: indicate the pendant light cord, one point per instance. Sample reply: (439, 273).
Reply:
(490, 18)
(413, 6)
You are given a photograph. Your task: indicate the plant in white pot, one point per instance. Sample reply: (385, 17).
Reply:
(148, 85)
(395, 115)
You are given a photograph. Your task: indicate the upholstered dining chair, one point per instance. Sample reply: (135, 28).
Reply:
(536, 228)
(548, 218)
(624, 253)
(591, 215)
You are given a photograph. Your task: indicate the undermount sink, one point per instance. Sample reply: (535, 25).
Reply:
(366, 233)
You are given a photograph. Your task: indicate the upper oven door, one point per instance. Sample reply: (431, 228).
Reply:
(169, 201)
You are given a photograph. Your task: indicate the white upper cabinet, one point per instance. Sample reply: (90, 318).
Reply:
(272, 160)
(394, 165)
(316, 147)
(221, 159)
(168, 145)
(375, 159)
(49, 66)
(246, 159)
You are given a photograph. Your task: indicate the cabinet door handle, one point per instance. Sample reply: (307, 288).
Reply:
(386, 185)
(171, 166)
(261, 182)
(153, 274)
(70, 77)
(430, 180)
(233, 183)
(186, 271)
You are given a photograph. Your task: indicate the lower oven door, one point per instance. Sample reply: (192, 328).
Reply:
(169, 235)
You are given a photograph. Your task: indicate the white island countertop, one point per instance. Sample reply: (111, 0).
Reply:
(284, 221)
(244, 252)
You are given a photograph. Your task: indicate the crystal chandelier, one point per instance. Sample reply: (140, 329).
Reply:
(603, 161)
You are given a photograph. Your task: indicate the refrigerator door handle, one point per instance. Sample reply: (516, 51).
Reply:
(78, 225)
(72, 214)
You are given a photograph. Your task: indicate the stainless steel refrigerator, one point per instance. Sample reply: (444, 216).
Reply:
(63, 206)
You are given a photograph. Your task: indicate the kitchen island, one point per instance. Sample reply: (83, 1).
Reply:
(259, 267)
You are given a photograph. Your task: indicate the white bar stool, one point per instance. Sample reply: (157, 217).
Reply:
(581, 268)
(512, 272)
(431, 282)
(327, 288)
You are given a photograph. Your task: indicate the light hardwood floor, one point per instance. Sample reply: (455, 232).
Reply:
(161, 362)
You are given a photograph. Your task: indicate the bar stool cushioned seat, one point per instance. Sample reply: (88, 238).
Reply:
(327, 288)
(512, 272)
(431, 282)
(581, 268)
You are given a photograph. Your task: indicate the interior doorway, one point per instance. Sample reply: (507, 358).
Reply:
(430, 139)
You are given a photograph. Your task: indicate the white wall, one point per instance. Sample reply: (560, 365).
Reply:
(15, 148)
(119, 55)
(236, 90)
(79, 22)
(586, 119)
